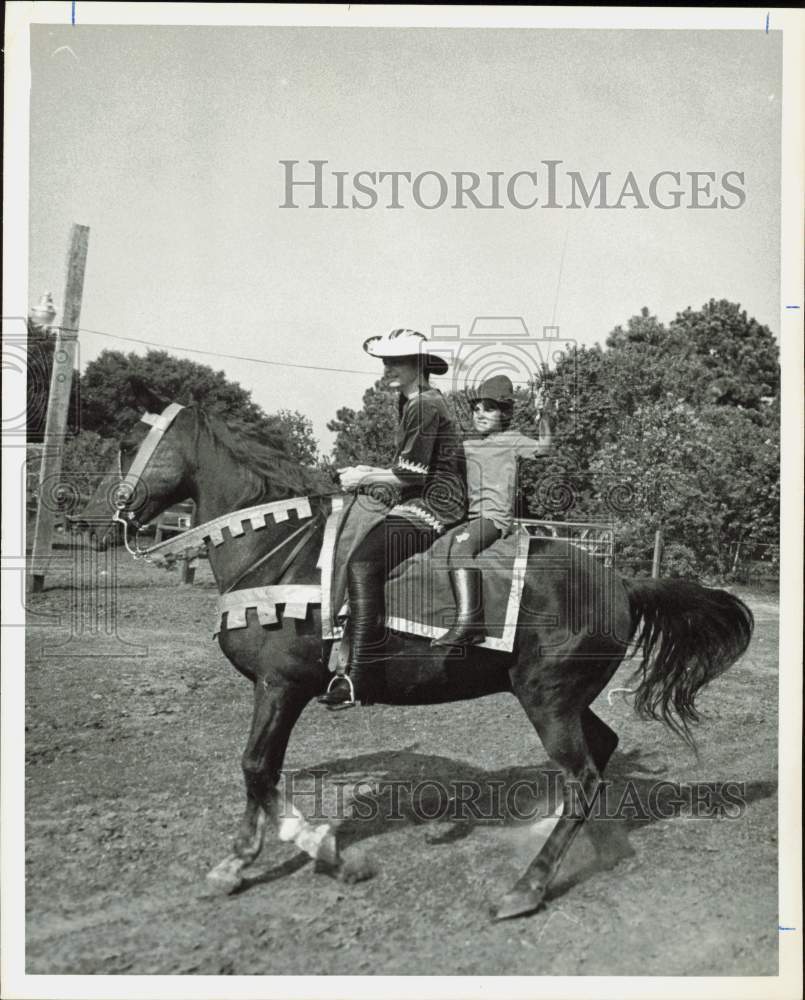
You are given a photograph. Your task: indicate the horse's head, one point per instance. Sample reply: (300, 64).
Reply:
(151, 473)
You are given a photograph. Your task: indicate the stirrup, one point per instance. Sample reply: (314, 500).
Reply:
(347, 703)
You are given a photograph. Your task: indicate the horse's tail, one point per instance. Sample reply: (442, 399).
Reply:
(686, 634)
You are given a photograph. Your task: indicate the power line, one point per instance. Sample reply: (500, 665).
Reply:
(252, 360)
(220, 354)
(559, 278)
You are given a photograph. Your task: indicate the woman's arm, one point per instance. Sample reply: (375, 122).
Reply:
(366, 475)
(545, 432)
(528, 447)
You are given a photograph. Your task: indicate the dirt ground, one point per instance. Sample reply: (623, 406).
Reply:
(134, 791)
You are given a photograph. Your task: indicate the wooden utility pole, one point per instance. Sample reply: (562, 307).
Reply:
(58, 405)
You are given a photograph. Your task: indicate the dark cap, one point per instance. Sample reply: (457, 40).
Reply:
(498, 388)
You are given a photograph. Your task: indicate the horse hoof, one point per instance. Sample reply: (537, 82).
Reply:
(358, 866)
(327, 852)
(518, 903)
(225, 878)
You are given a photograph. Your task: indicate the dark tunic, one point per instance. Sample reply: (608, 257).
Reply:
(430, 462)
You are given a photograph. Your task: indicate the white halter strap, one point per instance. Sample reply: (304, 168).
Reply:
(159, 422)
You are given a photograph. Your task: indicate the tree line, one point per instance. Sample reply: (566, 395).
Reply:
(103, 406)
(673, 427)
(662, 426)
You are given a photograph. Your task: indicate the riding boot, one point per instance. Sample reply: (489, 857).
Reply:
(365, 587)
(468, 628)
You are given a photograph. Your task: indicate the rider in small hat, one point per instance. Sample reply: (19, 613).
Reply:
(429, 472)
(491, 481)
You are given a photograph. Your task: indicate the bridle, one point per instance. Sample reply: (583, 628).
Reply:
(128, 483)
(124, 491)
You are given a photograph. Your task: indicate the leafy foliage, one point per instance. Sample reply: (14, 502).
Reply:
(671, 426)
(109, 404)
(731, 360)
(108, 400)
(708, 476)
(87, 459)
(297, 432)
(665, 426)
(366, 437)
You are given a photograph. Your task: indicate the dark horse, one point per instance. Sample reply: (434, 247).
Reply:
(565, 652)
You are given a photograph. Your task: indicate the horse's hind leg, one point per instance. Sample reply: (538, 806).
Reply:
(608, 838)
(601, 740)
(562, 731)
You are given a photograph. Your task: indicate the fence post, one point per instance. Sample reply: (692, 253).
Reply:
(188, 564)
(655, 563)
(737, 557)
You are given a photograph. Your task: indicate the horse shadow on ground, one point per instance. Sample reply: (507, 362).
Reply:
(372, 795)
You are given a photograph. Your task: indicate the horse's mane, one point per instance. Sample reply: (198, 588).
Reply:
(263, 453)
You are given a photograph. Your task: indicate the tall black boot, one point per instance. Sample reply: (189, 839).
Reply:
(365, 586)
(468, 629)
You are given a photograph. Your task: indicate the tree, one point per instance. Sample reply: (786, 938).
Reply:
(297, 432)
(733, 360)
(665, 426)
(642, 329)
(708, 476)
(367, 437)
(714, 357)
(109, 404)
(87, 460)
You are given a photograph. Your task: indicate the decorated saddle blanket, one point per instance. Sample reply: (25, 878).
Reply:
(419, 597)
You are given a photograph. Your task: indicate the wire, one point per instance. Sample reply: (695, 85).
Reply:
(219, 354)
(559, 278)
(256, 361)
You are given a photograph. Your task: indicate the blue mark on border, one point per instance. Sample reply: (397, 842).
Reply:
(72, 15)
(792, 307)
(767, 22)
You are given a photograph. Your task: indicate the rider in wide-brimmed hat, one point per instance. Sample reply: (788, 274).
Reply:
(429, 472)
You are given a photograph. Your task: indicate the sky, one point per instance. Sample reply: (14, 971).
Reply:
(167, 142)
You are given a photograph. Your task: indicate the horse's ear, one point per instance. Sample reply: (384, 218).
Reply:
(145, 397)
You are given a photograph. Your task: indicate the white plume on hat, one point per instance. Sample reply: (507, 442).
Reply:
(404, 343)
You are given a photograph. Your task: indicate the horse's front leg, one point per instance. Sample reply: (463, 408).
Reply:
(276, 710)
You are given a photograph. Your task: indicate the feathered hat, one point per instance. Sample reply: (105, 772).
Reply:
(404, 343)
